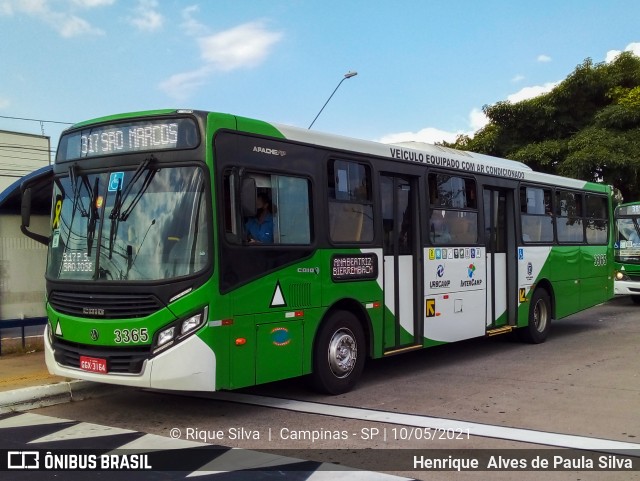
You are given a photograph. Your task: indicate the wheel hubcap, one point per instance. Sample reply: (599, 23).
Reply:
(343, 352)
(540, 315)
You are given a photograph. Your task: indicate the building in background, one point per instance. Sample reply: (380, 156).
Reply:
(21, 154)
(22, 260)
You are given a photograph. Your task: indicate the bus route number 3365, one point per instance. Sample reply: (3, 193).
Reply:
(127, 336)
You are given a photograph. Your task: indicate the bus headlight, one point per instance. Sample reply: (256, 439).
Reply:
(192, 323)
(621, 276)
(179, 330)
(166, 336)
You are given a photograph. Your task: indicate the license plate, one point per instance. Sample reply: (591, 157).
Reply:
(93, 364)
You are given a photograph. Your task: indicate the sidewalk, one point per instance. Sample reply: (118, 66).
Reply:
(26, 384)
(25, 370)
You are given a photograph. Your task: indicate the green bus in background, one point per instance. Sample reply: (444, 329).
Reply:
(627, 250)
(202, 251)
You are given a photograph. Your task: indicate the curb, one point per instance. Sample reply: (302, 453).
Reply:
(50, 394)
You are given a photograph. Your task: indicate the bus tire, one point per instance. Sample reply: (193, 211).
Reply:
(539, 325)
(338, 354)
(635, 299)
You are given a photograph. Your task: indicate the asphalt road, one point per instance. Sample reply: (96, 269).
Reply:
(581, 388)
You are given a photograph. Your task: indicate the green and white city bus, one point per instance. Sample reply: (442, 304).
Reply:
(627, 250)
(155, 280)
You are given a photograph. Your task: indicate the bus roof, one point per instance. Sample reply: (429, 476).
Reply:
(412, 152)
(436, 156)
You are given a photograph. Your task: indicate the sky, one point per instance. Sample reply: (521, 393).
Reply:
(425, 68)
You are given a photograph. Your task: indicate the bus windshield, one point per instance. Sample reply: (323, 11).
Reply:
(628, 240)
(146, 224)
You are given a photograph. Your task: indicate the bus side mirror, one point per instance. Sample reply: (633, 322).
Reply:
(248, 197)
(25, 211)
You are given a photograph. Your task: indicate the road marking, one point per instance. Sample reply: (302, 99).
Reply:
(30, 419)
(81, 431)
(476, 429)
(205, 458)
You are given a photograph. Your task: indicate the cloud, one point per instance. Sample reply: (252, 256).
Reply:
(93, 3)
(543, 58)
(181, 85)
(632, 47)
(476, 120)
(245, 46)
(6, 9)
(4, 103)
(431, 135)
(63, 21)
(72, 26)
(190, 25)
(428, 135)
(30, 7)
(146, 17)
(517, 78)
(530, 92)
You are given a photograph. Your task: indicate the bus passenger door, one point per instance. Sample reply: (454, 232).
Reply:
(401, 252)
(500, 241)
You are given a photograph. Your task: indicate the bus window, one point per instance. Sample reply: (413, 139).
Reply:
(536, 214)
(597, 221)
(569, 217)
(283, 215)
(292, 213)
(350, 204)
(454, 217)
(439, 228)
(230, 210)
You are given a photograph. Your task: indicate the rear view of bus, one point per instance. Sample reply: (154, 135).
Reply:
(627, 251)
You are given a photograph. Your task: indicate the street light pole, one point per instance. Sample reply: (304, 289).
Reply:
(346, 76)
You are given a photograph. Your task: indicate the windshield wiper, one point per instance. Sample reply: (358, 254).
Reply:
(117, 214)
(75, 188)
(92, 214)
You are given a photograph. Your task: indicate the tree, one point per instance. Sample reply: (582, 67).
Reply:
(587, 127)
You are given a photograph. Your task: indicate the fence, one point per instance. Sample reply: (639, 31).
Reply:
(21, 323)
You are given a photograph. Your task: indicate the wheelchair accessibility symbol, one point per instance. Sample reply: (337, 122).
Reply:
(116, 179)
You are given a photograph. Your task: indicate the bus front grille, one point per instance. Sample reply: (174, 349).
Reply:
(119, 360)
(104, 306)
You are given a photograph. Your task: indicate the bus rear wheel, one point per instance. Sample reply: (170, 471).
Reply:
(539, 325)
(635, 299)
(339, 353)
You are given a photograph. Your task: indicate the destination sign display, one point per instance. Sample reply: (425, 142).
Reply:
(121, 138)
(629, 210)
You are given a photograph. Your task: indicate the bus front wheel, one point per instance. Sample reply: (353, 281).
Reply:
(339, 353)
(539, 325)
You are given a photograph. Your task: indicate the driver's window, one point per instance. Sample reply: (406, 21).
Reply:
(283, 211)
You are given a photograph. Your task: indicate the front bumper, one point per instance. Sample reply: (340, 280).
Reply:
(626, 288)
(187, 366)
